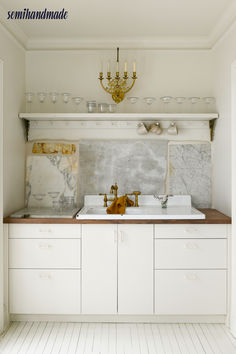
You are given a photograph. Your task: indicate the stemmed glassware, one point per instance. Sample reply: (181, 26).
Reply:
(132, 100)
(53, 195)
(149, 101)
(209, 102)
(194, 101)
(39, 197)
(29, 99)
(77, 101)
(166, 100)
(66, 97)
(180, 100)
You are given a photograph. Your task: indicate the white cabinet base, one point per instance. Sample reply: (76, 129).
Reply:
(122, 318)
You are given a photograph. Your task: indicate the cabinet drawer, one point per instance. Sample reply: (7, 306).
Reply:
(44, 231)
(44, 291)
(190, 253)
(182, 292)
(44, 253)
(191, 231)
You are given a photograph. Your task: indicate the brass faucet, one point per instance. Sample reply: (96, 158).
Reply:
(136, 194)
(114, 189)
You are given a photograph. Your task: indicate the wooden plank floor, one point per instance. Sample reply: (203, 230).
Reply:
(111, 338)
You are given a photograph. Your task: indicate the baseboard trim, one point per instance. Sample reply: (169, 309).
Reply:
(122, 318)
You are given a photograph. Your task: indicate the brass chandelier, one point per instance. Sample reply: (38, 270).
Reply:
(117, 87)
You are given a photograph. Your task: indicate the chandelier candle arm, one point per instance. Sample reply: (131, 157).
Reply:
(117, 87)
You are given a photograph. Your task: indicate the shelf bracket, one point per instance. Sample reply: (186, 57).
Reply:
(27, 127)
(212, 128)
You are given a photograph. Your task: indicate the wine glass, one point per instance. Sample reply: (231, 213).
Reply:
(194, 101)
(42, 96)
(132, 100)
(180, 100)
(209, 102)
(77, 101)
(29, 99)
(39, 198)
(53, 195)
(149, 101)
(53, 96)
(166, 100)
(66, 97)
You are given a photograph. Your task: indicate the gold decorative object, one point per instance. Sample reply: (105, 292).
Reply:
(117, 87)
(53, 148)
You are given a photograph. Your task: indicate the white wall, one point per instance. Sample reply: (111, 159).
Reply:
(223, 56)
(160, 72)
(13, 58)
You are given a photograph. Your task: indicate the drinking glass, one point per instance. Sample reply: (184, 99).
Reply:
(209, 103)
(53, 96)
(53, 195)
(132, 100)
(180, 100)
(77, 101)
(194, 102)
(29, 99)
(39, 197)
(42, 96)
(166, 100)
(66, 97)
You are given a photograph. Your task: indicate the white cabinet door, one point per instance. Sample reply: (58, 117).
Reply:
(44, 253)
(190, 292)
(190, 253)
(135, 269)
(51, 291)
(99, 269)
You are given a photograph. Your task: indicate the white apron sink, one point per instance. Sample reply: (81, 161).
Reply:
(178, 207)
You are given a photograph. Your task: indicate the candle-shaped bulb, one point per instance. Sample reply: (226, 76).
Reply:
(126, 67)
(108, 67)
(134, 66)
(101, 70)
(117, 66)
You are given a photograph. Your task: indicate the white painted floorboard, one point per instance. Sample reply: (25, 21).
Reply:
(111, 338)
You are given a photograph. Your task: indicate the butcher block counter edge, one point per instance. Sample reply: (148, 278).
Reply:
(213, 216)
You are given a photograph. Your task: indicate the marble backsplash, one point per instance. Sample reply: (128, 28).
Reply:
(135, 165)
(190, 172)
(153, 166)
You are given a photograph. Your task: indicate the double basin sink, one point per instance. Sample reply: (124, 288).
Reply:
(178, 207)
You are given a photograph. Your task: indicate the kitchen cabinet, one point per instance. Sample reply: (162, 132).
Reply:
(124, 269)
(117, 269)
(99, 269)
(191, 269)
(44, 269)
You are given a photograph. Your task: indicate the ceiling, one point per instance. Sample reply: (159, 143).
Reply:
(98, 23)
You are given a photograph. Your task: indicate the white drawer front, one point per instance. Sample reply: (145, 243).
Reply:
(190, 253)
(191, 231)
(44, 231)
(182, 292)
(44, 253)
(44, 291)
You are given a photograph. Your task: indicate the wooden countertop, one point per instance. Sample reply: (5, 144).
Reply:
(212, 217)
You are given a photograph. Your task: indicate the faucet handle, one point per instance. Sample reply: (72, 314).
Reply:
(105, 199)
(136, 193)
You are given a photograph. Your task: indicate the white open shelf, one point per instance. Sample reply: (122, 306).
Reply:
(118, 116)
(191, 126)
